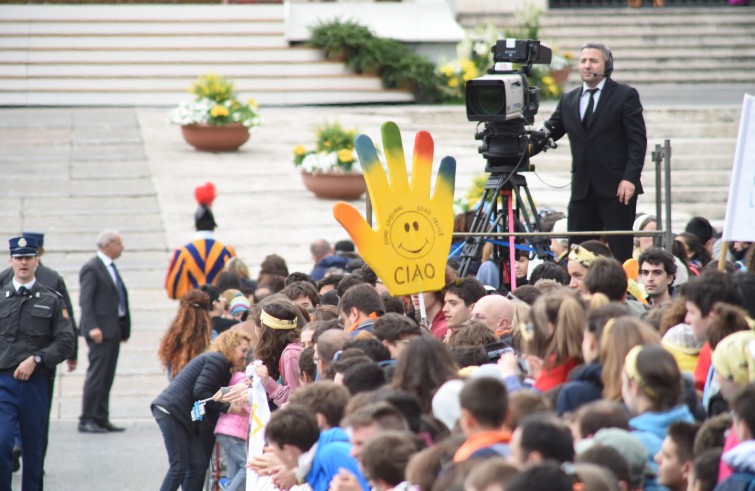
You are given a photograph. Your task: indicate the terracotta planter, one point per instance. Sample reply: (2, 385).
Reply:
(206, 138)
(335, 185)
(560, 76)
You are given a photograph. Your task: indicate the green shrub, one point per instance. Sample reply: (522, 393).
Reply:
(340, 38)
(396, 64)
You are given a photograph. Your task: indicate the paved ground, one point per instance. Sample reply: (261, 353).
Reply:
(73, 172)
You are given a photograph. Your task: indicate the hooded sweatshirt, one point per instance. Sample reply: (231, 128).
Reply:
(651, 428)
(333, 453)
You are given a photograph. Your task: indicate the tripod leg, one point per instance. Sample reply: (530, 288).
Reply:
(542, 246)
(508, 198)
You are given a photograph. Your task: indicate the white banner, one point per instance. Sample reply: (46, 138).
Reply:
(258, 419)
(740, 210)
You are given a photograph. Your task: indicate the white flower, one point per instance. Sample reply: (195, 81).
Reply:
(325, 162)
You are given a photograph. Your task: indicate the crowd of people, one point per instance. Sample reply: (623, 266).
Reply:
(591, 374)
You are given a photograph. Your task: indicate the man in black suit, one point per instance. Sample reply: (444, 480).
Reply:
(105, 323)
(606, 131)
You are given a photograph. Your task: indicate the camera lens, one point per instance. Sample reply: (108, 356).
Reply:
(489, 100)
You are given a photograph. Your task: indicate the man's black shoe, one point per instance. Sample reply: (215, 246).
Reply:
(111, 427)
(91, 428)
(16, 459)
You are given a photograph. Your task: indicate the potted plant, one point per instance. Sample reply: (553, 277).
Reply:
(215, 121)
(331, 170)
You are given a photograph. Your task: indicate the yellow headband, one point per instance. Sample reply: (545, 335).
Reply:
(581, 255)
(275, 323)
(630, 367)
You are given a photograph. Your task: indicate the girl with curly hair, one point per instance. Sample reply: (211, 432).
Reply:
(188, 335)
(278, 349)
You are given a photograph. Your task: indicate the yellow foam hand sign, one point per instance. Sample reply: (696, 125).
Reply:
(409, 244)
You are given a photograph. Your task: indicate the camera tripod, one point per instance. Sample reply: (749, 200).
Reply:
(516, 212)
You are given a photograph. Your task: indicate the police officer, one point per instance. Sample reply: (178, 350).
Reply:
(35, 335)
(50, 278)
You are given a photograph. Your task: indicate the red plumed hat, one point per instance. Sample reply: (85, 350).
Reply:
(205, 196)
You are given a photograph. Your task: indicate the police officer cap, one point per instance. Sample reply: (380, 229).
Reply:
(40, 237)
(23, 246)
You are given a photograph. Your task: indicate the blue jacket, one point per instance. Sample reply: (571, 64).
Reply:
(333, 453)
(651, 429)
(334, 261)
(585, 386)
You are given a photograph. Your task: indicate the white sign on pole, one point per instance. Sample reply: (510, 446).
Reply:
(740, 210)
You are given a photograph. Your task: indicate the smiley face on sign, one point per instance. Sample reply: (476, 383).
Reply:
(412, 235)
(409, 245)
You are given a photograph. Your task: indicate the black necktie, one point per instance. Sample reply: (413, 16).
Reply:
(121, 290)
(23, 291)
(590, 107)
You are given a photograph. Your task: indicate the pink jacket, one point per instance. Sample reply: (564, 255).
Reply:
(289, 370)
(233, 424)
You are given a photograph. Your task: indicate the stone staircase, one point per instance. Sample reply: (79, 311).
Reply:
(130, 55)
(669, 46)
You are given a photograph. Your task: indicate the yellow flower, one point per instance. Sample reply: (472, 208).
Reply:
(219, 111)
(553, 89)
(447, 70)
(548, 80)
(453, 82)
(345, 155)
(253, 103)
(300, 150)
(467, 64)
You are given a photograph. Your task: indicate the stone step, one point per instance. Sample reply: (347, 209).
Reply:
(243, 84)
(141, 42)
(617, 17)
(163, 28)
(682, 65)
(651, 28)
(162, 56)
(623, 42)
(228, 70)
(150, 99)
(641, 17)
(715, 77)
(141, 13)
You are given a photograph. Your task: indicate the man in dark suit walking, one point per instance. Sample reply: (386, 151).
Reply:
(606, 131)
(105, 323)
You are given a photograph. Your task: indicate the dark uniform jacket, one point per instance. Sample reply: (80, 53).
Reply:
(51, 279)
(36, 324)
(200, 379)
